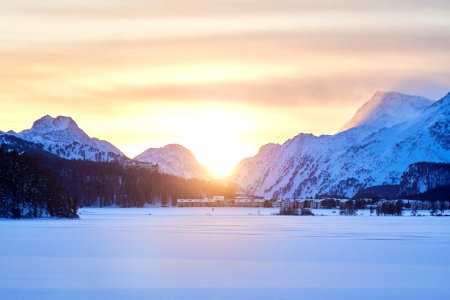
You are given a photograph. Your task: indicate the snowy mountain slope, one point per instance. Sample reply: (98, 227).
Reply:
(176, 160)
(11, 142)
(386, 109)
(63, 137)
(359, 157)
(266, 155)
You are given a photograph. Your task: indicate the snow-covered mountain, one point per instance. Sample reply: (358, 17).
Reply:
(366, 154)
(386, 109)
(176, 160)
(63, 137)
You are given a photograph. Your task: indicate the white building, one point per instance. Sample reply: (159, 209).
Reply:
(205, 202)
(248, 201)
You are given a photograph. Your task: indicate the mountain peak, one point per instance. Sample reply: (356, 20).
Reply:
(63, 137)
(172, 149)
(174, 159)
(386, 109)
(48, 124)
(411, 129)
(387, 95)
(176, 147)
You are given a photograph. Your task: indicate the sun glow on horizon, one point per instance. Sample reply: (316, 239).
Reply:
(219, 136)
(219, 162)
(222, 78)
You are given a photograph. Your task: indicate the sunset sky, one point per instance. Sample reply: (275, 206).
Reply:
(221, 77)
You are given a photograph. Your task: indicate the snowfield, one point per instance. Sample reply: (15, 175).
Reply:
(228, 253)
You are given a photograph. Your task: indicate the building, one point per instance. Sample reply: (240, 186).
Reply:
(289, 207)
(145, 165)
(259, 202)
(249, 201)
(220, 201)
(276, 203)
(195, 202)
(316, 203)
(418, 204)
(286, 204)
(215, 201)
(243, 199)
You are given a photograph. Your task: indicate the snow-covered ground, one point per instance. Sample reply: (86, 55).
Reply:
(228, 253)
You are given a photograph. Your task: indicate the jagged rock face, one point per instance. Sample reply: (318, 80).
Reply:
(359, 157)
(63, 137)
(176, 160)
(421, 177)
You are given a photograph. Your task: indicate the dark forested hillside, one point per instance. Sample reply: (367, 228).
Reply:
(106, 184)
(379, 191)
(90, 184)
(29, 191)
(441, 193)
(424, 176)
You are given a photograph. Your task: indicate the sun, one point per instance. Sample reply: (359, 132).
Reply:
(220, 161)
(217, 135)
(217, 141)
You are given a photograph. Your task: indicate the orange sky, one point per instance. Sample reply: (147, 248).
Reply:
(220, 77)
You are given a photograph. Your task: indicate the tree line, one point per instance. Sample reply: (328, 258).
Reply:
(42, 184)
(29, 191)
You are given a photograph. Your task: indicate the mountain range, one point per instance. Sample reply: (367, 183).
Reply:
(61, 136)
(387, 134)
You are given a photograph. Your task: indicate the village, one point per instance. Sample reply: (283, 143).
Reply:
(304, 206)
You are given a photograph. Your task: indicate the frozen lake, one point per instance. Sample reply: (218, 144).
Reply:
(228, 253)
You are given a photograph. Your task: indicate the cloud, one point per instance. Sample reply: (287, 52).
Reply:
(71, 22)
(307, 60)
(202, 8)
(274, 69)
